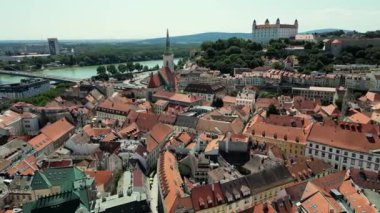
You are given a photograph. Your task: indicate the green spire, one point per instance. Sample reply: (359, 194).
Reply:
(168, 50)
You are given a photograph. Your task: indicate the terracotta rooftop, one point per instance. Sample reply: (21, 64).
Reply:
(207, 196)
(358, 117)
(170, 181)
(94, 132)
(289, 134)
(285, 120)
(157, 135)
(40, 141)
(25, 167)
(370, 97)
(101, 177)
(348, 136)
(357, 200)
(117, 105)
(57, 129)
(229, 99)
(365, 179)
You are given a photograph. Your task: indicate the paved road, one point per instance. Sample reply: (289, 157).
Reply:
(137, 81)
(154, 195)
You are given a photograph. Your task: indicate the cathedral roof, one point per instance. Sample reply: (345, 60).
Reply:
(155, 81)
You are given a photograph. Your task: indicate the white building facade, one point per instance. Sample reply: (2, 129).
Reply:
(266, 32)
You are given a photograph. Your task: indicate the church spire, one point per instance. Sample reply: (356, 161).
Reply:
(167, 48)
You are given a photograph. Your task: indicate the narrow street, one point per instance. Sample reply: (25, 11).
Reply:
(154, 194)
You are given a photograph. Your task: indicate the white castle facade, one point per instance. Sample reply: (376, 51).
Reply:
(265, 32)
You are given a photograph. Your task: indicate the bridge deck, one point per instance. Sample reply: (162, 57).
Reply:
(36, 75)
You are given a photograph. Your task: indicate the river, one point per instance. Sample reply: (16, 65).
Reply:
(74, 72)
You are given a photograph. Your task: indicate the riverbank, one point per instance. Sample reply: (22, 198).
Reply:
(76, 72)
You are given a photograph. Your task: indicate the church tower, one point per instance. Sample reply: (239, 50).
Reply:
(168, 57)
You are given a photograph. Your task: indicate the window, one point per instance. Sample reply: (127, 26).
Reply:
(361, 157)
(310, 151)
(323, 148)
(311, 145)
(323, 154)
(376, 166)
(346, 153)
(345, 160)
(353, 155)
(336, 157)
(316, 152)
(317, 146)
(337, 151)
(369, 165)
(330, 156)
(352, 162)
(330, 149)
(369, 158)
(360, 164)
(377, 160)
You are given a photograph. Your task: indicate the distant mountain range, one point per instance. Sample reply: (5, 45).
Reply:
(195, 38)
(319, 31)
(213, 36)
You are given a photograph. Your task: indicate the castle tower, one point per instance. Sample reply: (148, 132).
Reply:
(254, 25)
(267, 22)
(168, 57)
(296, 23)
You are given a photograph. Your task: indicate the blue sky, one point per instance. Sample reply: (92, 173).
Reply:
(131, 19)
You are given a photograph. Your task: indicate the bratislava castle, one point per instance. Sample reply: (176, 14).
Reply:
(265, 32)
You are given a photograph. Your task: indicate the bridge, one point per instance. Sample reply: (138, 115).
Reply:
(39, 75)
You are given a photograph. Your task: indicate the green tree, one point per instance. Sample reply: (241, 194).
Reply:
(101, 70)
(138, 67)
(122, 68)
(278, 66)
(217, 102)
(130, 66)
(112, 69)
(272, 110)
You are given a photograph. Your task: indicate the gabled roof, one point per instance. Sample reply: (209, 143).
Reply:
(358, 117)
(157, 135)
(348, 136)
(27, 166)
(57, 129)
(155, 81)
(101, 177)
(40, 181)
(63, 177)
(207, 196)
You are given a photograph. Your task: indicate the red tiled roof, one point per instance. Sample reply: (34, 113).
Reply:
(358, 117)
(157, 135)
(146, 121)
(40, 142)
(357, 201)
(57, 129)
(349, 136)
(93, 132)
(171, 182)
(207, 196)
(101, 177)
(155, 81)
(26, 167)
(365, 179)
(289, 134)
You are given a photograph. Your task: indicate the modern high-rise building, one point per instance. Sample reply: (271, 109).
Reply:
(266, 32)
(53, 46)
